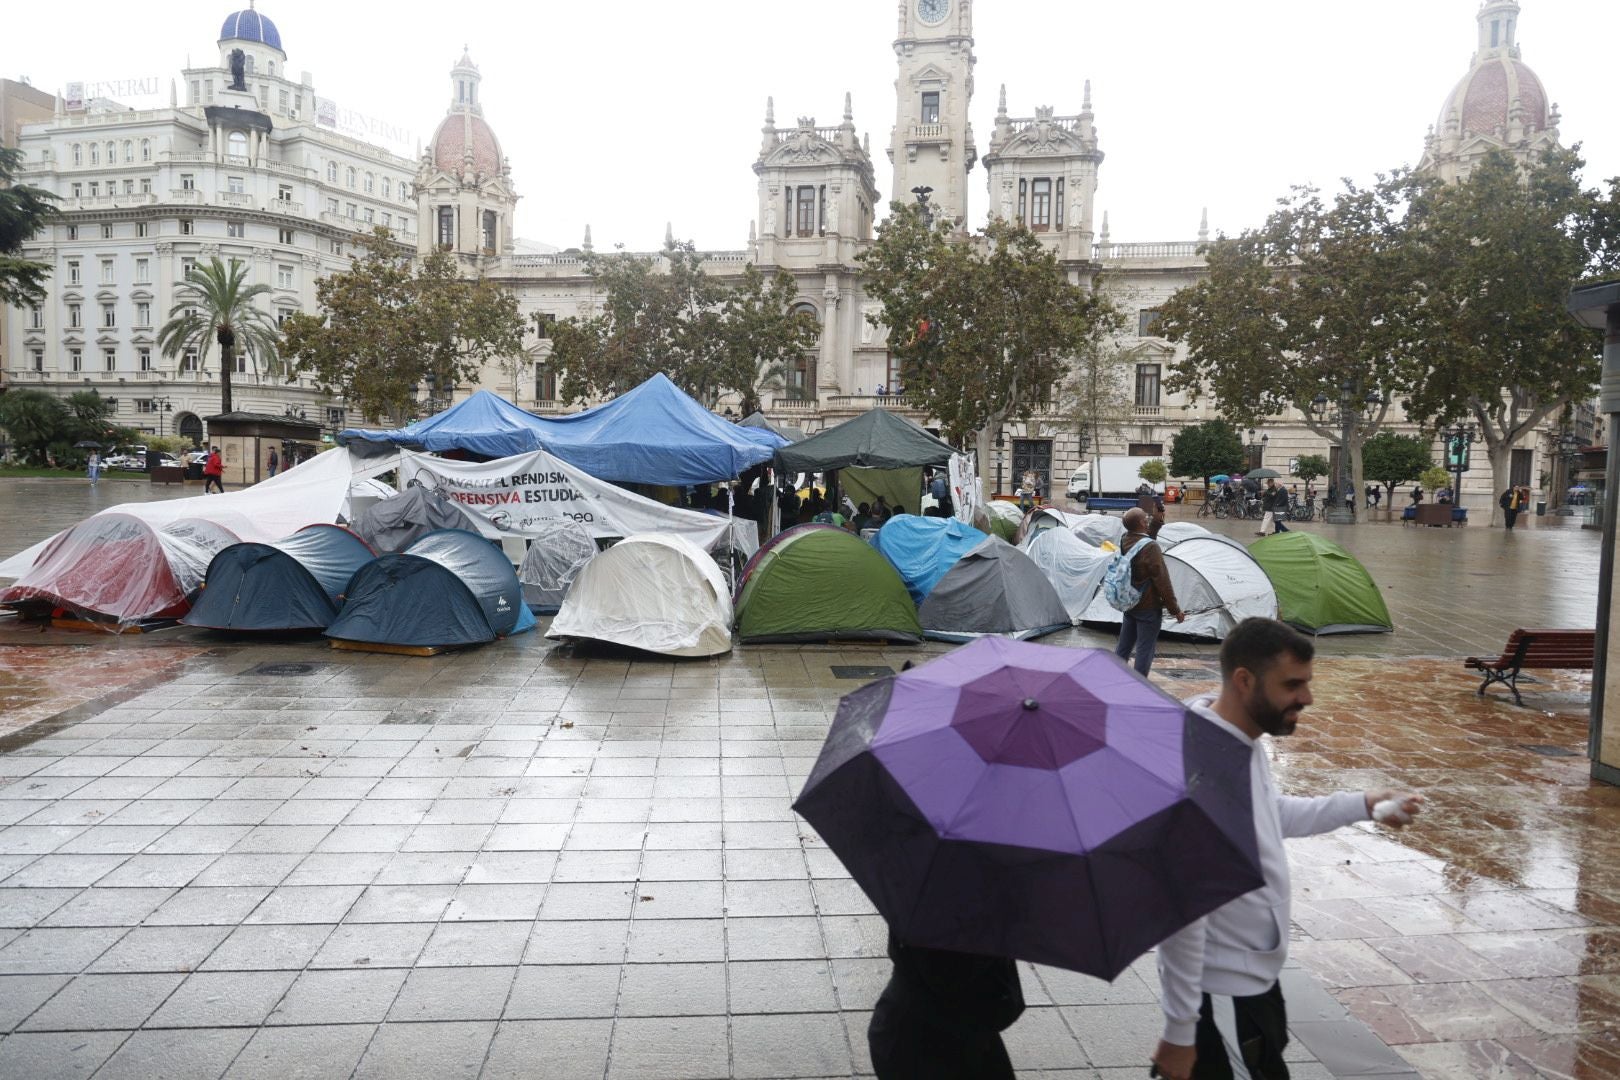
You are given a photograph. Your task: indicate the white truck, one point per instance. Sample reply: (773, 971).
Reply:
(1110, 477)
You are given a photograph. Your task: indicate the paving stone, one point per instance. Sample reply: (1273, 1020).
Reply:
(669, 1048)
(22, 994)
(199, 906)
(22, 908)
(268, 948)
(103, 1002)
(63, 871)
(464, 944)
(549, 1050)
(655, 941)
(223, 999)
(56, 950)
(107, 907)
(162, 949)
(494, 903)
(346, 997)
(790, 1046)
(71, 1055)
(302, 1053)
(556, 991)
(426, 1051)
(384, 945)
(306, 904)
(459, 993)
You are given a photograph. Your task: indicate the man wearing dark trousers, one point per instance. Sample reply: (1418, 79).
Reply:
(1139, 632)
(1238, 951)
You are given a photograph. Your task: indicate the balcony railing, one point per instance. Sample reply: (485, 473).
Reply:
(794, 405)
(928, 133)
(186, 196)
(285, 206)
(1146, 411)
(109, 202)
(1171, 250)
(239, 199)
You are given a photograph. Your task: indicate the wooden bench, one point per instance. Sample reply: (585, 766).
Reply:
(1545, 650)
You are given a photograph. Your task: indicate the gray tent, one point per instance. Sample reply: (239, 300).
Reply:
(877, 439)
(561, 548)
(395, 524)
(993, 589)
(786, 431)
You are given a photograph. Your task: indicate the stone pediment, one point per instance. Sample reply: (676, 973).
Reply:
(930, 73)
(803, 148)
(1044, 138)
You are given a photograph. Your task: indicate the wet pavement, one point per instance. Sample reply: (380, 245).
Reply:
(512, 862)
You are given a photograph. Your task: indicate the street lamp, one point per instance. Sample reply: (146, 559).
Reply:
(1342, 511)
(1257, 450)
(1459, 447)
(161, 405)
(1001, 445)
(1571, 449)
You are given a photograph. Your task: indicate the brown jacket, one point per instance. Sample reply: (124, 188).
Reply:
(1150, 573)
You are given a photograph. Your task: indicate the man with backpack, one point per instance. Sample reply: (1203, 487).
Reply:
(1137, 584)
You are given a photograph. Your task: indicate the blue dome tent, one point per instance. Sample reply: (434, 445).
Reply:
(293, 584)
(450, 588)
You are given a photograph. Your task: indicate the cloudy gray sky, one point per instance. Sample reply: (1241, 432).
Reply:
(628, 113)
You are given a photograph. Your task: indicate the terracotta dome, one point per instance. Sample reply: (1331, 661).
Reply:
(459, 132)
(1483, 101)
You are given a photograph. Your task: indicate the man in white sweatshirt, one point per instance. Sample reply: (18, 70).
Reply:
(1238, 950)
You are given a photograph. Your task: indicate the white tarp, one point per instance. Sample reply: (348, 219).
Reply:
(654, 592)
(966, 494)
(1216, 584)
(518, 494)
(1098, 529)
(1074, 567)
(313, 492)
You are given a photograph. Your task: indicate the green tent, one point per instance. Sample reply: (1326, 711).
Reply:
(820, 584)
(876, 439)
(1321, 588)
(1005, 517)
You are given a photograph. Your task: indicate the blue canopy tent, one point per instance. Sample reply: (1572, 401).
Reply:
(292, 584)
(451, 587)
(654, 434)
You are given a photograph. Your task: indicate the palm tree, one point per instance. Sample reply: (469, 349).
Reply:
(215, 303)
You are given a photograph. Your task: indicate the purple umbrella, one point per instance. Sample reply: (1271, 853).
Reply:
(1035, 802)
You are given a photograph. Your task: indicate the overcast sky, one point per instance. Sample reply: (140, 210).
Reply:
(631, 113)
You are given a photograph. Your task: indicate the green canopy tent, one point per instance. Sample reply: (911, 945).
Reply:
(1321, 588)
(876, 453)
(819, 584)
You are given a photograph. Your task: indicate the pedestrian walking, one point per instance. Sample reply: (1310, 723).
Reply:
(1139, 632)
(940, 488)
(1238, 951)
(214, 472)
(275, 461)
(92, 467)
(1274, 504)
(942, 1014)
(1511, 503)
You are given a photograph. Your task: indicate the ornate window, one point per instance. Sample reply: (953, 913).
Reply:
(491, 232)
(1023, 201)
(1057, 214)
(1040, 204)
(447, 226)
(807, 211)
(331, 172)
(78, 154)
(236, 144)
(386, 188)
(95, 154)
(129, 151)
(348, 176)
(146, 149)
(371, 183)
(930, 107)
(1147, 386)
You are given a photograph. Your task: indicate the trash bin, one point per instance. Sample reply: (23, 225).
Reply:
(1541, 508)
(193, 470)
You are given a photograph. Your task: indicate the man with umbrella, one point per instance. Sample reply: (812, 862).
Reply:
(1238, 950)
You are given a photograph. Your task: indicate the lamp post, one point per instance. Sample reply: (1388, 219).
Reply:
(1001, 445)
(1342, 511)
(1083, 444)
(1256, 450)
(1459, 445)
(1569, 448)
(161, 405)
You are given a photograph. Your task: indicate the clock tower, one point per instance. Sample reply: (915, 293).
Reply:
(932, 145)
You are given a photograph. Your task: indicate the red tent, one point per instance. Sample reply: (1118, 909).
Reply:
(118, 569)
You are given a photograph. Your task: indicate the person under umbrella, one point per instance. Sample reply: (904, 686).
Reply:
(1015, 801)
(1238, 950)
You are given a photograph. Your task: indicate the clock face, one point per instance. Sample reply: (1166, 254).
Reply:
(933, 11)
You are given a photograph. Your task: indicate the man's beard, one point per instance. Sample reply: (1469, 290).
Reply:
(1270, 719)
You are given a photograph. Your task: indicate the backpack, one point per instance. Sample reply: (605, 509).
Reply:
(1117, 588)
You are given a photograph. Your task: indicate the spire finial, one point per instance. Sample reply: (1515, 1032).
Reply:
(1085, 104)
(586, 246)
(669, 236)
(770, 111)
(1001, 106)
(849, 107)
(1203, 227)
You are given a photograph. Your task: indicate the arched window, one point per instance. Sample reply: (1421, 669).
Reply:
(272, 64)
(331, 172)
(248, 63)
(801, 377)
(387, 188)
(129, 151)
(95, 154)
(112, 153)
(349, 176)
(146, 149)
(371, 183)
(237, 145)
(78, 154)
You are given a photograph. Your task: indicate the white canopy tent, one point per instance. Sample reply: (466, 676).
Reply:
(1217, 585)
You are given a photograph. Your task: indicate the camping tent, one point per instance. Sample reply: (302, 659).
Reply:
(1217, 585)
(1004, 518)
(313, 491)
(877, 439)
(449, 588)
(293, 584)
(1172, 533)
(993, 589)
(923, 549)
(654, 592)
(559, 550)
(397, 523)
(1098, 529)
(819, 584)
(119, 570)
(1321, 588)
(1074, 567)
(1045, 517)
(654, 434)
(787, 432)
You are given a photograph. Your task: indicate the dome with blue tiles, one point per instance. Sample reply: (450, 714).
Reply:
(249, 25)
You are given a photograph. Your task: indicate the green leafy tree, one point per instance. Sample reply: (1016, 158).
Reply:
(1434, 478)
(1392, 459)
(668, 314)
(387, 328)
(34, 419)
(1311, 467)
(24, 210)
(1154, 472)
(1205, 450)
(215, 304)
(984, 331)
(1499, 253)
(1323, 296)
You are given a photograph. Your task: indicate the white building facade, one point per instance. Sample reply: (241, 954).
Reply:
(239, 170)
